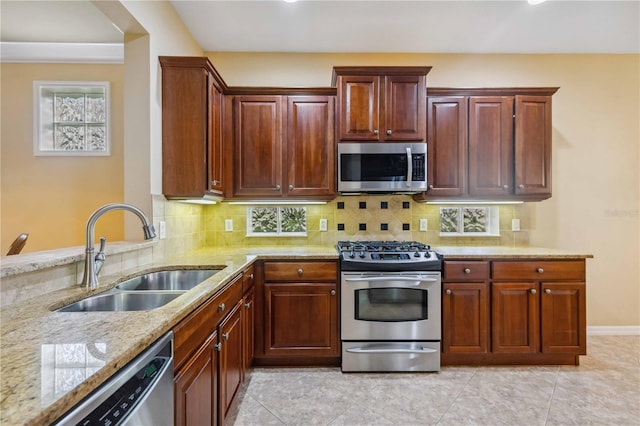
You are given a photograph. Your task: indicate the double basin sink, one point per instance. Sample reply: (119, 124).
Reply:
(147, 291)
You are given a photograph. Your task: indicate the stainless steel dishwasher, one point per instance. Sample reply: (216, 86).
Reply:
(139, 394)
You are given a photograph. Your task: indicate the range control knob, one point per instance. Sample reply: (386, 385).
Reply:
(352, 255)
(361, 254)
(416, 254)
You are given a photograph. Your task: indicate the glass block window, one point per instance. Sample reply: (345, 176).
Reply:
(268, 221)
(469, 221)
(71, 118)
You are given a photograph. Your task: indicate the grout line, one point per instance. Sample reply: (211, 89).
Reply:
(555, 384)
(454, 399)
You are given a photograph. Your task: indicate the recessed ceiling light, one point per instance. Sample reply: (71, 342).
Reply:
(535, 1)
(290, 1)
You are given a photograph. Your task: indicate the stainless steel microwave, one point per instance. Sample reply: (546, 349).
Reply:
(382, 167)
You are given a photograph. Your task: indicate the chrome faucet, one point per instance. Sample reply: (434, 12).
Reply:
(93, 266)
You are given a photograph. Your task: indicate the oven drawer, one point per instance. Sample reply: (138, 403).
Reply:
(390, 356)
(539, 270)
(300, 271)
(465, 271)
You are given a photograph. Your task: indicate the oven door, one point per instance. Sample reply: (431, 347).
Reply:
(391, 306)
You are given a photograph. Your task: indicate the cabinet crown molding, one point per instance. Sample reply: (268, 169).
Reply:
(395, 70)
(491, 91)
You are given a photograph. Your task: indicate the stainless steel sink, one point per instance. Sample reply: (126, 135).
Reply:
(121, 302)
(172, 280)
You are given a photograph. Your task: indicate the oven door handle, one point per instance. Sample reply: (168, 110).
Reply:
(364, 350)
(392, 278)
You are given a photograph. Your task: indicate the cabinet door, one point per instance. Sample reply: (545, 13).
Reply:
(301, 319)
(258, 146)
(310, 146)
(564, 317)
(195, 387)
(404, 108)
(533, 145)
(447, 146)
(231, 360)
(490, 145)
(248, 329)
(216, 155)
(515, 313)
(359, 107)
(465, 318)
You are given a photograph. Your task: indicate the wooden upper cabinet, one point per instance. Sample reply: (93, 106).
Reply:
(447, 147)
(258, 145)
(381, 104)
(310, 146)
(533, 145)
(191, 128)
(490, 145)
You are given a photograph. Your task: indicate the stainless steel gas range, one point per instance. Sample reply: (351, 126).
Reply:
(390, 306)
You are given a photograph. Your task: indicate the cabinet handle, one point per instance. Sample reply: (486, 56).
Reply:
(218, 346)
(430, 186)
(221, 307)
(375, 132)
(247, 305)
(277, 188)
(225, 336)
(467, 271)
(250, 276)
(300, 271)
(333, 292)
(290, 187)
(521, 186)
(447, 291)
(214, 182)
(505, 186)
(389, 132)
(533, 291)
(539, 270)
(547, 290)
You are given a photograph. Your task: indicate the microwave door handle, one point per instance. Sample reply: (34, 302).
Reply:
(392, 278)
(409, 168)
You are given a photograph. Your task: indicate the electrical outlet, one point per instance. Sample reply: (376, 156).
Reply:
(162, 230)
(515, 224)
(423, 224)
(323, 225)
(228, 225)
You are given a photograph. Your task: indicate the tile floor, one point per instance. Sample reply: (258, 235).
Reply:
(603, 390)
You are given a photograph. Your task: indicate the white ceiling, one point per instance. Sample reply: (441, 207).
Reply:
(478, 26)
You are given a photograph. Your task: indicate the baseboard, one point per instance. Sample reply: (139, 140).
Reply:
(614, 330)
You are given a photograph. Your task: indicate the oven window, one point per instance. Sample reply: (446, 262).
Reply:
(391, 304)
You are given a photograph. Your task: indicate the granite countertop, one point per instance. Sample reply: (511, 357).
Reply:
(39, 384)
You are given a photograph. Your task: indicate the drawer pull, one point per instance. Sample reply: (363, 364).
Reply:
(333, 292)
(225, 336)
(247, 305)
(218, 346)
(447, 291)
(539, 270)
(467, 271)
(300, 271)
(250, 276)
(547, 290)
(221, 307)
(533, 291)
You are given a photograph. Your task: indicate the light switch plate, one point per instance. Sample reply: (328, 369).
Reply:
(162, 230)
(323, 225)
(423, 224)
(228, 225)
(515, 224)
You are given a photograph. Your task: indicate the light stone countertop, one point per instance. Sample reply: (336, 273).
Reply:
(37, 389)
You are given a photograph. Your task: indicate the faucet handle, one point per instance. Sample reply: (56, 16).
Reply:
(103, 242)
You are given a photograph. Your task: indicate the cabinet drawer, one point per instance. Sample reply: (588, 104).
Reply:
(465, 271)
(248, 279)
(300, 271)
(196, 328)
(539, 270)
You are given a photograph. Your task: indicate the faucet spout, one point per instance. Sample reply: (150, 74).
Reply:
(92, 266)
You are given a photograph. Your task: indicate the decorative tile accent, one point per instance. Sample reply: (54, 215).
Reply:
(363, 204)
(406, 227)
(341, 227)
(340, 205)
(293, 219)
(276, 221)
(362, 227)
(406, 205)
(475, 219)
(469, 221)
(384, 226)
(384, 205)
(449, 219)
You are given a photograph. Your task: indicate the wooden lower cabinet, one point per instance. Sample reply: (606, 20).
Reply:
(230, 359)
(537, 312)
(248, 328)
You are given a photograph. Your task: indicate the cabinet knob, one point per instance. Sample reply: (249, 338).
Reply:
(521, 186)
(333, 292)
(225, 336)
(214, 182)
(250, 276)
(218, 346)
(467, 271)
(430, 186)
(247, 305)
(447, 291)
(539, 270)
(389, 132)
(300, 271)
(533, 291)
(547, 290)
(375, 132)
(290, 187)
(505, 186)
(277, 187)
(221, 307)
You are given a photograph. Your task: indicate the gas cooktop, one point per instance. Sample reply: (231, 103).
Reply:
(388, 256)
